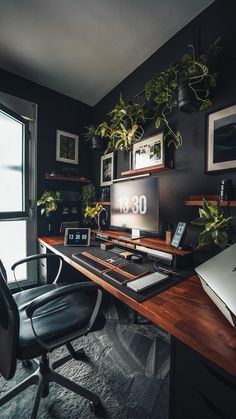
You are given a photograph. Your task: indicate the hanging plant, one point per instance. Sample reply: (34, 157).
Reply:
(124, 127)
(185, 85)
(90, 134)
(162, 91)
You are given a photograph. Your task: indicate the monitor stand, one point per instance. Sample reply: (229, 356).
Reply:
(135, 234)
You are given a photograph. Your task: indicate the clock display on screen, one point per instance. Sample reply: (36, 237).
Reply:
(77, 237)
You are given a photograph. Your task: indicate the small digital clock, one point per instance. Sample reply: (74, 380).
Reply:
(179, 234)
(77, 237)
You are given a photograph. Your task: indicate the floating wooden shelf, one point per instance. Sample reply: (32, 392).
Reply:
(151, 169)
(67, 178)
(197, 200)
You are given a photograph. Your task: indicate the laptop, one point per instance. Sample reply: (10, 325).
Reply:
(218, 278)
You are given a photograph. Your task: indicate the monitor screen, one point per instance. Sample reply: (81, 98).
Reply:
(135, 204)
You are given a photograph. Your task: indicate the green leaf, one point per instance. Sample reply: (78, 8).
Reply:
(158, 122)
(199, 221)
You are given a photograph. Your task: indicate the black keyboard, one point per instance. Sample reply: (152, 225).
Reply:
(108, 256)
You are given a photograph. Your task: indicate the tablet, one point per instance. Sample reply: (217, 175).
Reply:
(77, 237)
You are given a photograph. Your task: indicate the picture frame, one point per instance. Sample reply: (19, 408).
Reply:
(221, 140)
(67, 147)
(107, 169)
(148, 152)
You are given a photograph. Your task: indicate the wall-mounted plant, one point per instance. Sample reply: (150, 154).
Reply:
(161, 91)
(91, 135)
(49, 202)
(124, 127)
(185, 85)
(216, 226)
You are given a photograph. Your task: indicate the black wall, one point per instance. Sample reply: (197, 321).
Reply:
(55, 111)
(188, 177)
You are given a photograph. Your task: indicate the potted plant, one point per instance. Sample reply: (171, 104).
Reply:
(91, 211)
(49, 202)
(185, 85)
(195, 80)
(216, 226)
(92, 136)
(87, 197)
(124, 126)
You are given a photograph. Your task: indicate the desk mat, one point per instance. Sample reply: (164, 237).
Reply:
(137, 296)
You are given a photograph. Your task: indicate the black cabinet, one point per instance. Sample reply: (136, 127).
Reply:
(198, 388)
(48, 270)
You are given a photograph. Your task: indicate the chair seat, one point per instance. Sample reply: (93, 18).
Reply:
(57, 319)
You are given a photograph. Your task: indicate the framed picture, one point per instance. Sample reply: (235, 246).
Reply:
(67, 147)
(221, 140)
(107, 169)
(148, 152)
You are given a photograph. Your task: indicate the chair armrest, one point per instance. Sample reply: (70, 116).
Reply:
(35, 257)
(57, 293)
(62, 292)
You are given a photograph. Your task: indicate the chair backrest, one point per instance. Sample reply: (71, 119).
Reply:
(9, 328)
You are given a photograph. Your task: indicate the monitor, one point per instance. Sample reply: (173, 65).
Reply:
(135, 204)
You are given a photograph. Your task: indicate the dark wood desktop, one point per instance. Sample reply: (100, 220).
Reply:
(192, 319)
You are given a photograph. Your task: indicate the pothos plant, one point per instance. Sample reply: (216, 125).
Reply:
(124, 126)
(216, 226)
(162, 90)
(124, 123)
(49, 202)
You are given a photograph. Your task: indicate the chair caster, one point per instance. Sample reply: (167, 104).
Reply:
(97, 409)
(27, 364)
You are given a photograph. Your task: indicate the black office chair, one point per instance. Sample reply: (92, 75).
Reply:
(36, 321)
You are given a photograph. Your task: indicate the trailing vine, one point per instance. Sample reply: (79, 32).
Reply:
(160, 98)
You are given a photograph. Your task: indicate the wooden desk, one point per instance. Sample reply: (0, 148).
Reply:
(184, 310)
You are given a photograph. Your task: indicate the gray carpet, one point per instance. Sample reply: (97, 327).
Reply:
(127, 367)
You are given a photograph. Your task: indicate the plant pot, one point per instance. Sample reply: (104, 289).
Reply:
(186, 99)
(97, 143)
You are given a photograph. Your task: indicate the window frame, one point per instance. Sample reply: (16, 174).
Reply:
(11, 215)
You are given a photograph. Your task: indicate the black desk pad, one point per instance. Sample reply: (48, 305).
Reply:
(137, 296)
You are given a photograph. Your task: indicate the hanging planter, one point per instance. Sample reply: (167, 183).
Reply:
(186, 99)
(186, 85)
(96, 142)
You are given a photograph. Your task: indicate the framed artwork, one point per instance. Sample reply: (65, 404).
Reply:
(107, 169)
(67, 147)
(221, 140)
(148, 152)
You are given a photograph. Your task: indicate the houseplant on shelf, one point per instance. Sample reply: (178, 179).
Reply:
(217, 226)
(49, 202)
